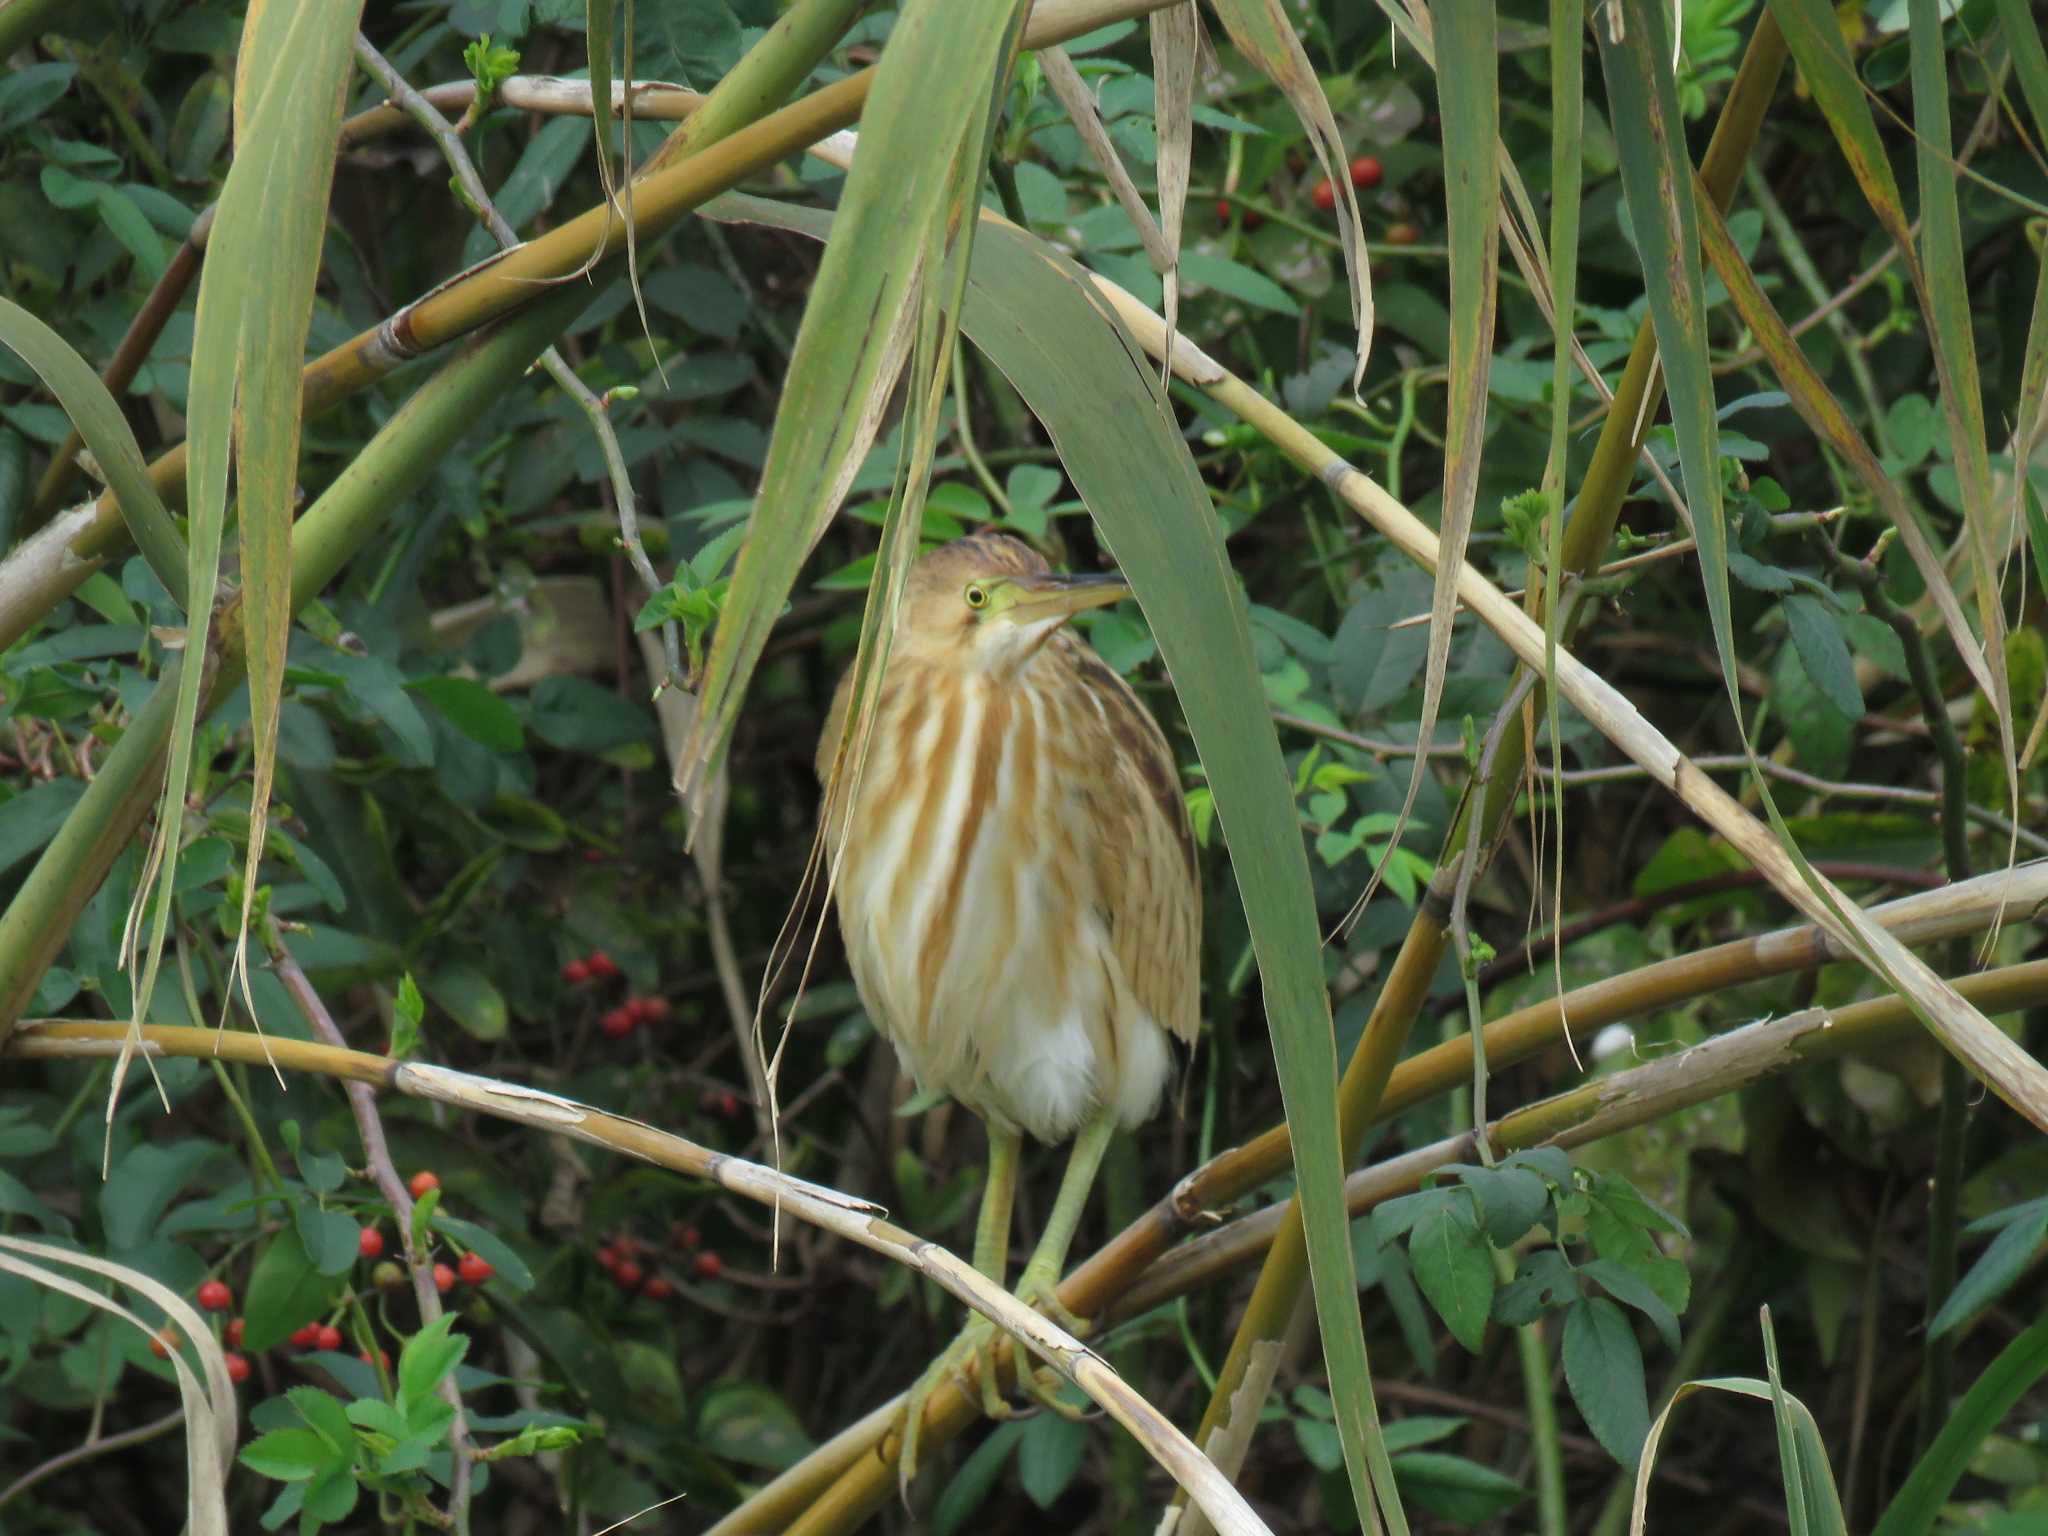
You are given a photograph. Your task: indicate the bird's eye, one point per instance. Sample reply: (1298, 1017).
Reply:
(977, 596)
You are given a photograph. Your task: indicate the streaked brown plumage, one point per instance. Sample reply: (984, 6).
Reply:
(1017, 883)
(1016, 878)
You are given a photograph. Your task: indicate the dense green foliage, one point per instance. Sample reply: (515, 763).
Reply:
(477, 858)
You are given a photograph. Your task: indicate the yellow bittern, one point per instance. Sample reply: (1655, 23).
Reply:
(1017, 889)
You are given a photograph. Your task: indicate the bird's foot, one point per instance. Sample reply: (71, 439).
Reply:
(976, 1346)
(1039, 1287)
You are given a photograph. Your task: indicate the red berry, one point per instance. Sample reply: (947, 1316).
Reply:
(232, 1334)
(328, 1336)
(593, 855)
(1366, 171)
(617, 1024)
(306, 1337)
(683, 1235)
(601, 964)
(607, 1257)
(475, 1268)
(654, 1009)
(370, 1242)
(214, 1296)
(423, 1181)
(1222, 210)
(576, 972)
(1324, 196)
(708, 1266)
(444, 1279)
(628, 1274)
(161, 1344)
(238, 1367)
(1402, 234)
(729, 1104)
(658, 1289)
(383, 1358)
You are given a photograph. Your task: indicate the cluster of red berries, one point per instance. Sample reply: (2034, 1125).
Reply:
(1366, 173)
(595, 966)
(622, 1255)
(217, 1296)
(619, 1022)
(472, 1269)
(213, 1296)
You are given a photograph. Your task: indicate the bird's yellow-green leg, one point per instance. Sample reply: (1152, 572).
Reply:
(1039, 1284)
(977, 1340)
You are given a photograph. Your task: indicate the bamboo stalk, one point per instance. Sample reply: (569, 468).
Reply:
(1922, 918)
(1584, 544)
(1600, 1108)
(847, 1216)
(76, 543)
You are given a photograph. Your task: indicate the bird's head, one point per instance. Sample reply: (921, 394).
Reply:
(988, 602)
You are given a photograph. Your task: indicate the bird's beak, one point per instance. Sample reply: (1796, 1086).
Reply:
(1052, 596)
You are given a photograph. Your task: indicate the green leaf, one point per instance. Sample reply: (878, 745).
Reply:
(289, 1455)
(1238, 281)
(578, 716)
(323, 1411)
(1376, 664)
(1511, 1200)
(1817, 635)
(2009, 1377)
(127, 224)
(2010, 1255)
(285, 1291)
(905, 221)
(1603, 1366)
(746, 1422)
(142, 1185)
(1544, 1282)
(1630, 1288)
(469, 996)
(1454, 1267)
(427, 1357)
(27, 92)
(511, 1269)
(100, 423)
(1049, 1456)
(473, 710)
(1455, 1488)
(330, 1237)
(30, 819)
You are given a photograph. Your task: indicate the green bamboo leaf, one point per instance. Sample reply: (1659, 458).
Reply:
(249, 343)
(1567, 169)
(1265, 33)
(1040, 321)
(105, 431)
(1657, 179)
(925, 128)
(1991, 1397)
(1822, 411)
(1814, 36)
(2022, 32)
(1946, 300)
(1659, 186)
(1468, 93)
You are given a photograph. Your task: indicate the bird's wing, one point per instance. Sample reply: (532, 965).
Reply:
(1147, 877)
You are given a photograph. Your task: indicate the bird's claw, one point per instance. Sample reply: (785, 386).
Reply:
(975, 1345)
(1041, 1290)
